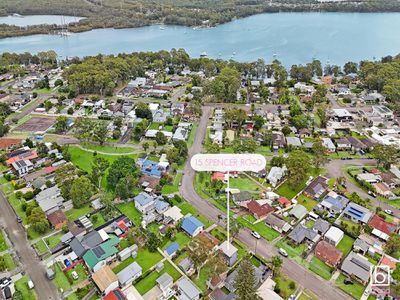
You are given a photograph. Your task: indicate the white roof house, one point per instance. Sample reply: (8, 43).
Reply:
(328, 144)
(334, 235)
(276, 174)
(368, 177)
(174, 213)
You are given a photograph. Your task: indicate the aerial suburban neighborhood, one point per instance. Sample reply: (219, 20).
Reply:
(99, 201)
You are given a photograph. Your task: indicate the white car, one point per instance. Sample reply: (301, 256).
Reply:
(256, 234)
(5, 282)
(283, 252)
(388, 211)
(74, 275)
(366, 292)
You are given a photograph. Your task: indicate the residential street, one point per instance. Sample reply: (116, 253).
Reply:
(44, 288)
(321, 288)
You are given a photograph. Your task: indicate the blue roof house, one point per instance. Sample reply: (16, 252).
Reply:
(171, 249)
(334, 203)
(192, 226)
(144, 203)
(357, 213)
(160, 205)
(150, 167)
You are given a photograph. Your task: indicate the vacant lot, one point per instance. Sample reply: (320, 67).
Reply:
(36, 124)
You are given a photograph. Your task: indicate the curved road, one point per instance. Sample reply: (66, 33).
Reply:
(34, 268)
(321, 288)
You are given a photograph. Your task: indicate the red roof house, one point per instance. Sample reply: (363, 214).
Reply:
(284, 202)
(57, 219)
(25, 156)
(115, 295)
(388, 261)
(380, 224)
(328, 253)
(259, 211)
(218, 176)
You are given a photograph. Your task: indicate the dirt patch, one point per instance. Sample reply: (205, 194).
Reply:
(36, 124)
(5, 143)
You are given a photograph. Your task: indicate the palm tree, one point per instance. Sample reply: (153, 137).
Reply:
(276, 264)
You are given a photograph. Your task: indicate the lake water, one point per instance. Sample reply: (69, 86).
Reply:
(290, 37)
(38, 20)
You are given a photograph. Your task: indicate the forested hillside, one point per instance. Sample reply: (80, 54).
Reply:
(135, 13)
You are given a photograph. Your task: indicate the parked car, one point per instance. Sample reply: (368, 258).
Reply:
(256, 234)
(371, 193)
(19, 220)
(74, 275)
(348, 281)
(5, 282)
(388, 211)
(30, 284)
(283, 252)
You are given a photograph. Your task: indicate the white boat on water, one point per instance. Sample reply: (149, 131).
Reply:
(17, 15)
(162, 28)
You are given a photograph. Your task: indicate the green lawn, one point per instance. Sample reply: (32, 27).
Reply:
(9, 261)
(181, 238)
(307, 202)
(109, 149)
(83, 159)
(291, 251)
(54, 239)
(174, 187)
(40, 247)
(155, 125)
(191, 136)
(3, 244)
(345, 245)
(99, 220)
(289, 192)
(145, 259)
(283, 283)
(355, 290)
(76, 213)
(81, 271)
(320, 268)
(61, 280)
(244, 184)
(129, 210)
(147, 283)
(265, 231)
(22, 286)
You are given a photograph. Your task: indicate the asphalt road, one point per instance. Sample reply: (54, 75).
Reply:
(321, 288)
(27, 257)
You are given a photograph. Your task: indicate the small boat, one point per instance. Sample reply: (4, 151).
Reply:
(162, 28)
(17, 15)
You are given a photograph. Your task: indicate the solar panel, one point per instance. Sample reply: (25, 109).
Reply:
(361, 264)
(98, 251)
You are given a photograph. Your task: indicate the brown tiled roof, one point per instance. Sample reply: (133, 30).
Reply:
(328, 253)
(259, 210)
(378, 223)
(56, 218)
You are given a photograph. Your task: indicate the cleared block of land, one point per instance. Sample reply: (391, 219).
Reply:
(36, 124)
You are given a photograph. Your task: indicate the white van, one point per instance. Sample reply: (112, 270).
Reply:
(30, 284)
(283, 252)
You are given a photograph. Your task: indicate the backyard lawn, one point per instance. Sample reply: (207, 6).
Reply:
(54, 240)
(320, 268)
(345, 245)
(129, 210)
(145, 259)
(307, 202)
(174, 187)
(40, 247)
(147, 283)
(22, 286)
(287, 191)
(76, 213)
(244, 184)
(80, 270)
(61, 280)
(356, 290)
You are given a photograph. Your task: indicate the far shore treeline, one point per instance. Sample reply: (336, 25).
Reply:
(102, 74)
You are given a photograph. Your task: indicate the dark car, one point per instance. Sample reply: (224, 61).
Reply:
(19, 220)
(348, 281)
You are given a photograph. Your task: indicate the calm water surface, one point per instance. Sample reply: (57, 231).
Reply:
(38, 20)
(290, 37)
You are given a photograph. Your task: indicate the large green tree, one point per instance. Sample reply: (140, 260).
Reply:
(298, 165)
(245, 281)
(81, 191)
(120, 168)
(385, 155)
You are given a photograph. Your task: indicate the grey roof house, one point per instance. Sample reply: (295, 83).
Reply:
(302, 234)
(129, 274)
(357, 266)
(187, 290)
(321, 226)
(299, 211)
